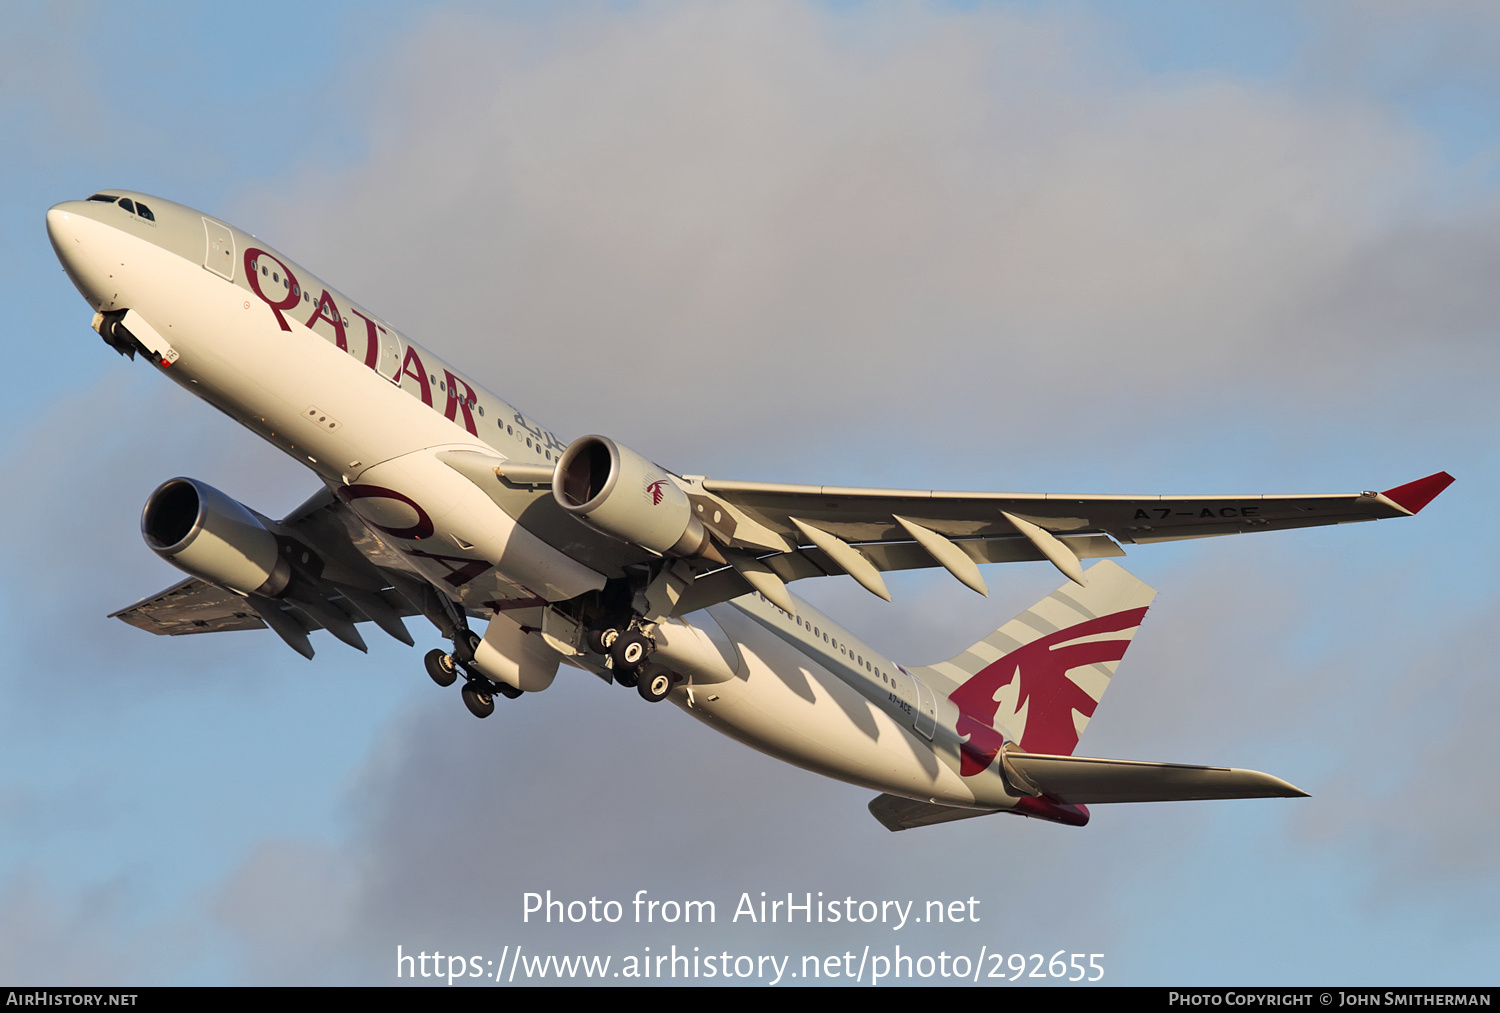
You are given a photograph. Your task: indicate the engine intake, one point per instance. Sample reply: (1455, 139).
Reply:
(617, 491)
(201, 531)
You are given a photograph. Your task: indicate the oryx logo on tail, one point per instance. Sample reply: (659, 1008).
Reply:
(1046, 707)
(1037, 680)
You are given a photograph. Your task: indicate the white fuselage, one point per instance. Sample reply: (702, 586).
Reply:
(344, 393)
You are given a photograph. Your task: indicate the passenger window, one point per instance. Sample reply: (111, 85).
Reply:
(144, 212)
(127, 204)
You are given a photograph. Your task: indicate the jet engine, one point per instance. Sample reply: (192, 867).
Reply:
(617, 491)
(198, 529)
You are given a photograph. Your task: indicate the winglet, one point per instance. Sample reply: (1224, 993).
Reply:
(1413, 496)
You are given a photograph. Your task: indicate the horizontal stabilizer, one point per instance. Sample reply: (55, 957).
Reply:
(897, 813)
(1083, 780)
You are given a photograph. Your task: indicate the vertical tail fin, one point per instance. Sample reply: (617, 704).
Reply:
(1036, 680)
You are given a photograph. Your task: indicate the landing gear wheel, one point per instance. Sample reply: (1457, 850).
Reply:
(626, 678)
(508, 691)
(630, 650)
(478, 699)
(441, 667)
(601, 640)
(655, 684)
(464, 646)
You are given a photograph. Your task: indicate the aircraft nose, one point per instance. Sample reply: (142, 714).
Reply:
(63, 229)
(57, 226)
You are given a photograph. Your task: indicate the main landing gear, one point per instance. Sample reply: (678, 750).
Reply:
(479, 700)
(618, 636)
(655, 683)
(441, 666)
(629, 652)
(478, 692)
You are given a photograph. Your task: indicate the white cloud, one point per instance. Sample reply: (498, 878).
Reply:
(764, 216)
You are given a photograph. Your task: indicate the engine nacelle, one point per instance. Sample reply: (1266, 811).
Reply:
(617, 491)
(198, 529)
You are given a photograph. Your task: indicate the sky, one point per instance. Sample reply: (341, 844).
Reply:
(1146, 247)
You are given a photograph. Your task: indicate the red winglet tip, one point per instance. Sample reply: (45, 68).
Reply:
(1414, 496)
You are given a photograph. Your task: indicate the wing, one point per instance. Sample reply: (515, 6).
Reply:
(786, 532)
(358, 580)
(190, 606)
(194, 606)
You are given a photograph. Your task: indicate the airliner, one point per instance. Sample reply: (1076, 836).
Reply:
(436, 498)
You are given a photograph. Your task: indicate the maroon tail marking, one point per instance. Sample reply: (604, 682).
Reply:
(1042, 667)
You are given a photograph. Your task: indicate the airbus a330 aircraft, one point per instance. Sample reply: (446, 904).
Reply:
(439, 499)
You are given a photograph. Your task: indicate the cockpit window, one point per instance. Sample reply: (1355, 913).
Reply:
(106, 198)
(127, 204)
(144, 212)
